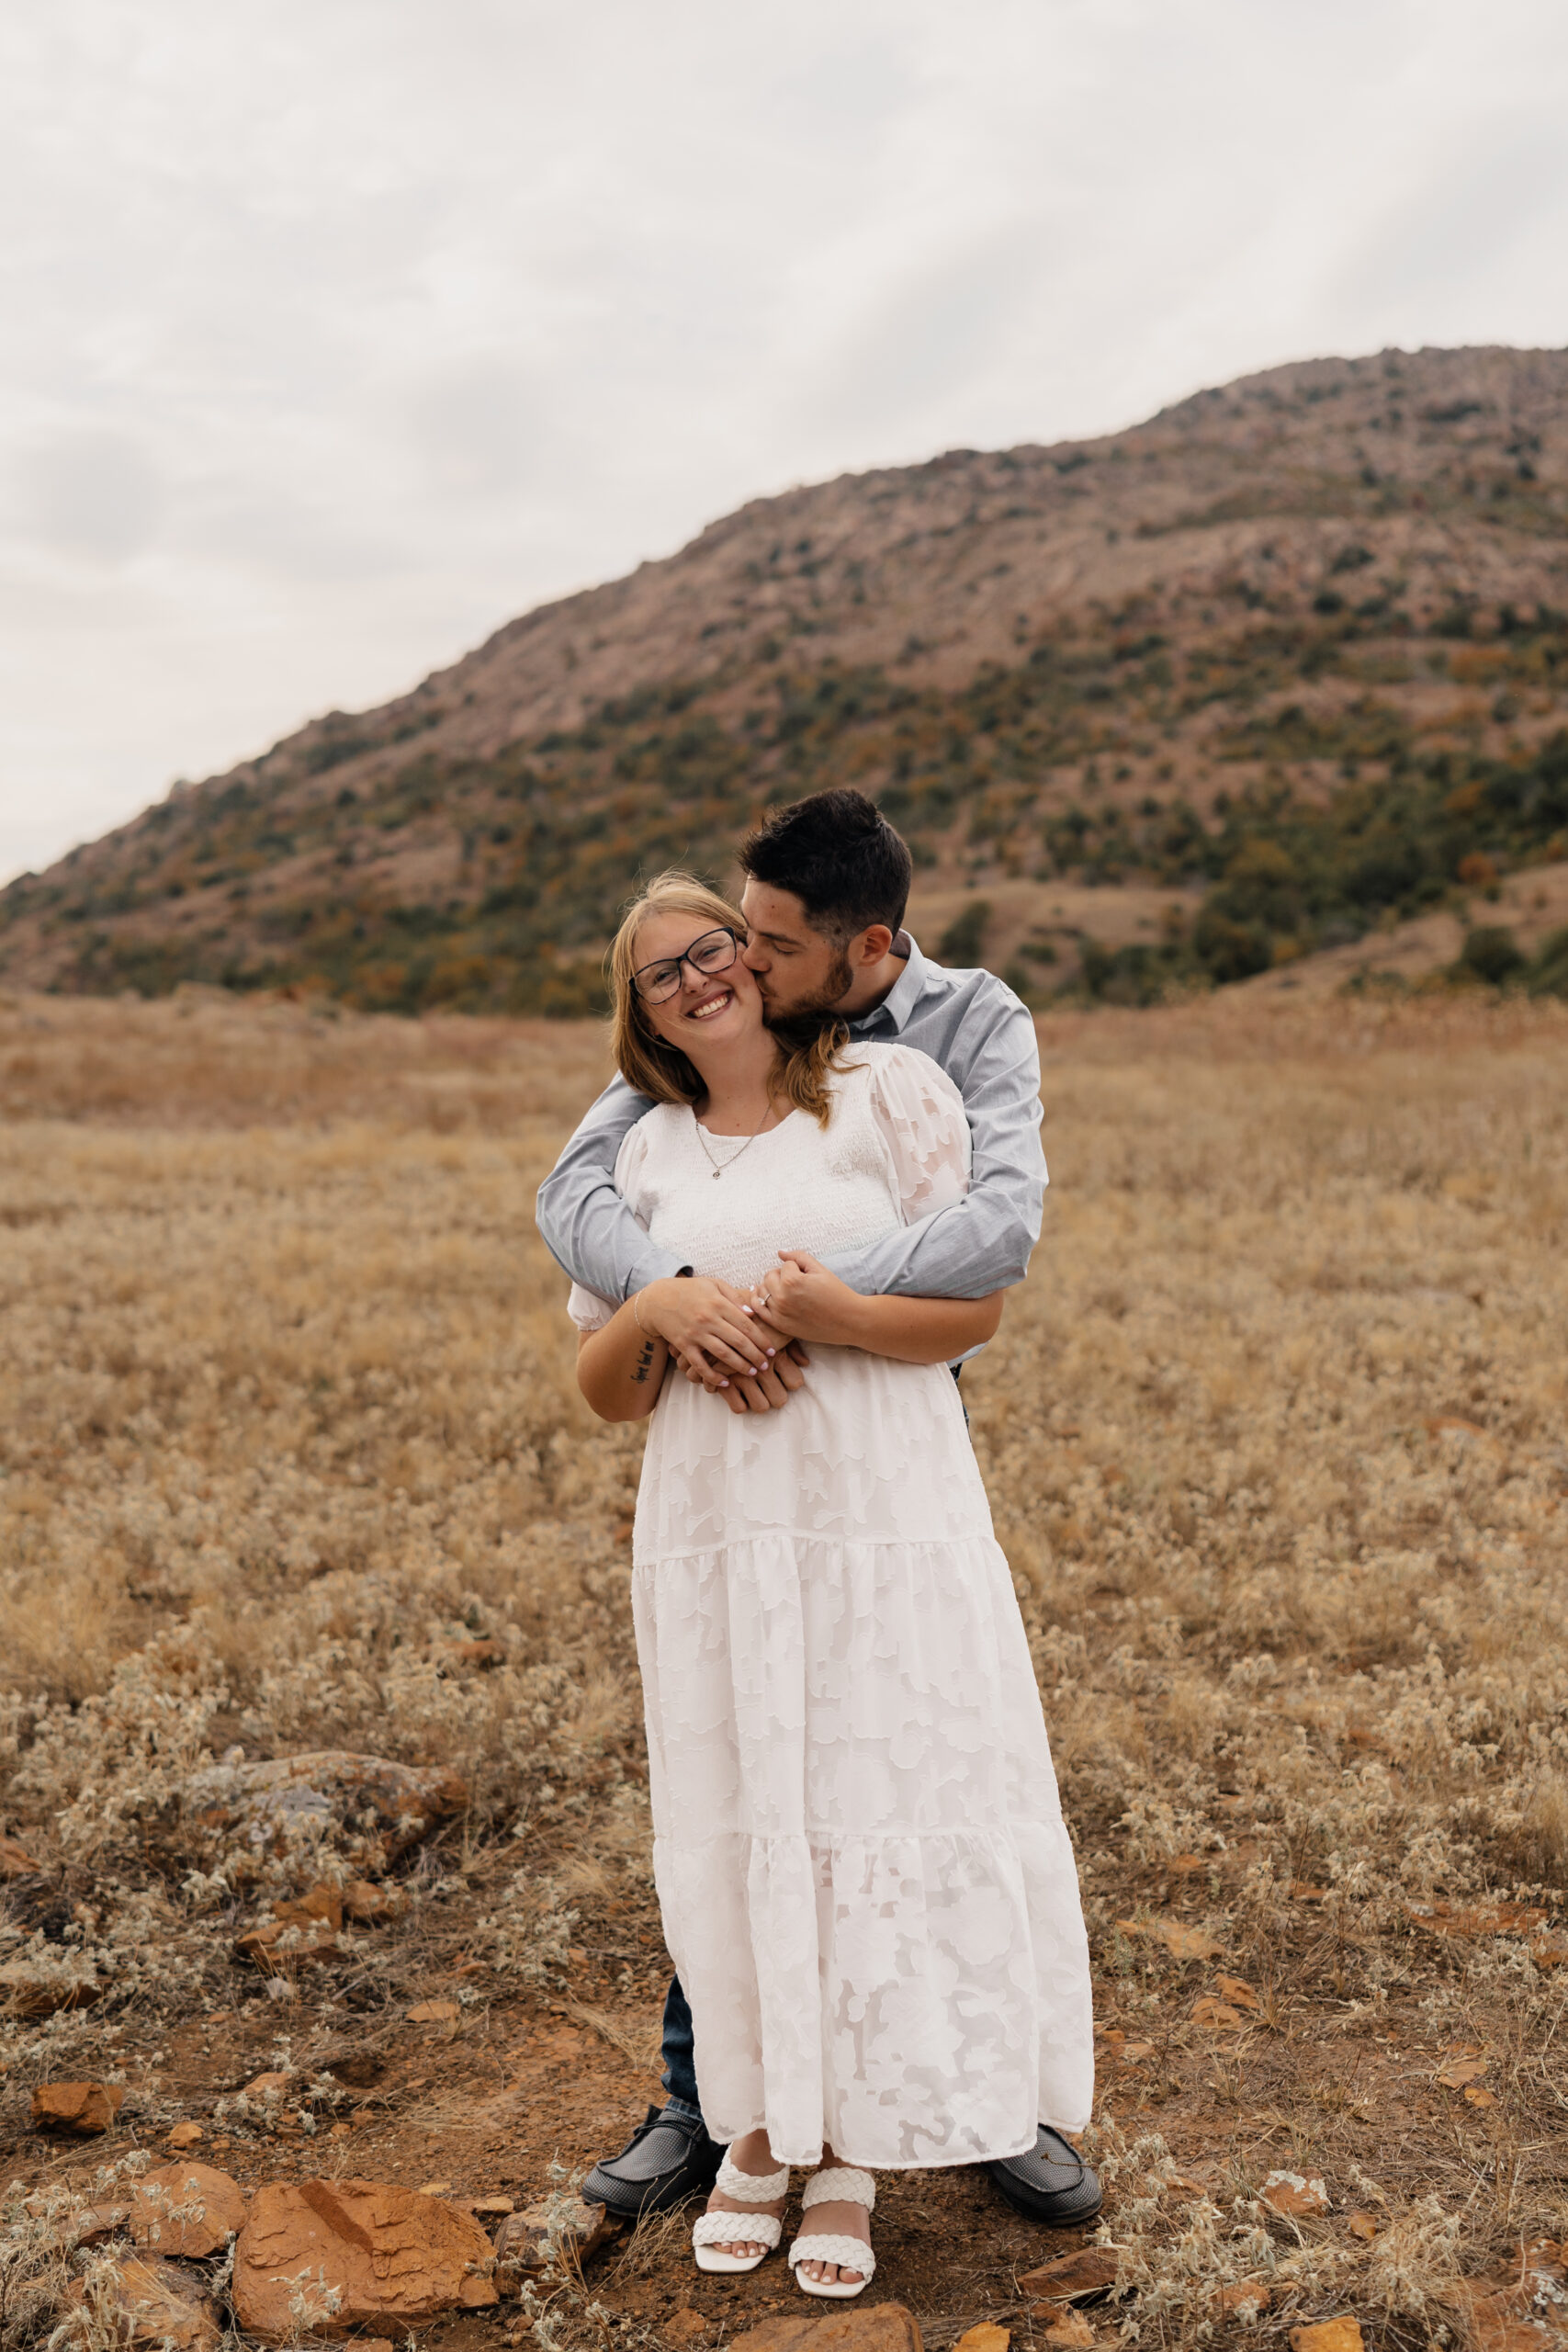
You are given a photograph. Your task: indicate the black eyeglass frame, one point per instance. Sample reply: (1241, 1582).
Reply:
(719, 930)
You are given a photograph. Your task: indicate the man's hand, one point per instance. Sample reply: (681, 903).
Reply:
(800, 1299)
(769, 1389)
(708, 1322)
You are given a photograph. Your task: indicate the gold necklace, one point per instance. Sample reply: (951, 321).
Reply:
(718, 1166)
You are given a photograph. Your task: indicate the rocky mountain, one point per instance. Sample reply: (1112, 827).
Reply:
(1286, 663)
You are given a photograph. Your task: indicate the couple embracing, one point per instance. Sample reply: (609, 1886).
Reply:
(788, 1222)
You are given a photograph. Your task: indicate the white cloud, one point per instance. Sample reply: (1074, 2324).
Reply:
(338, 336)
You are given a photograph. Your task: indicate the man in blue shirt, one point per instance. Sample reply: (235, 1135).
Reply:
(826, 885)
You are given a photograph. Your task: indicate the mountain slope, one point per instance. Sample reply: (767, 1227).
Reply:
(1245, 661)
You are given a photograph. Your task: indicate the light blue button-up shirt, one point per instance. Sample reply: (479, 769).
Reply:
(969, 1022)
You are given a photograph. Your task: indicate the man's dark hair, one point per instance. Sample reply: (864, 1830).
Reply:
(840, 858)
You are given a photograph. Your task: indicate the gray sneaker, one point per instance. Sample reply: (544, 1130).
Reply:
(667, 2159)
(1049, 2182)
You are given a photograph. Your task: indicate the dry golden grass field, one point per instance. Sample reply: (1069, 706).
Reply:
(1277, 1439)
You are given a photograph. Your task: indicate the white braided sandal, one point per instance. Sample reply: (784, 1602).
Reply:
(853, 2187)
(711, 2231)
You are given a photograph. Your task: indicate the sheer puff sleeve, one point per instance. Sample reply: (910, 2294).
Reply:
(919, 1114)
(586, 1308)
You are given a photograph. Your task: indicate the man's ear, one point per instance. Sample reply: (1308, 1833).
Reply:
(872, 946)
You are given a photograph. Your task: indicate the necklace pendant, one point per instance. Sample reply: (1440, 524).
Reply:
(716, 1174)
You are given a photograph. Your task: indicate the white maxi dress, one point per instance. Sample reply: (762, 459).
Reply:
(866, 1884)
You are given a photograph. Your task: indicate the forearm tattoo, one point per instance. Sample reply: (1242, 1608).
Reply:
(640, 1369)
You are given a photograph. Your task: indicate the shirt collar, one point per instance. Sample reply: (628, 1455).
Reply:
(900, 1004)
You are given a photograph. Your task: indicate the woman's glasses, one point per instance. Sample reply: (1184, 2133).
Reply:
(714, 952)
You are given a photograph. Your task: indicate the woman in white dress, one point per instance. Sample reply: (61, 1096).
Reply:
(866, 1884)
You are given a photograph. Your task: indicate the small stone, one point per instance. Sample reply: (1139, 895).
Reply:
(296, 1935)
(684, 2328)
(490, 2208)
(186, 2135)
(986, 2337)
(186, 2208)
(436, 2189)
(1066, 2328)
(879, 2327)
(433, 2013)
(1073, 2277)
(1362, 2226)
(1329, 2335)
(321, 1907)
(267, 2086)
(535, 2239)
(1298, 2198)
(1245, 2300)
(85, 2108)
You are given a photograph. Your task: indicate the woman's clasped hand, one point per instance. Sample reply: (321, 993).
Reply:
(800, 1299)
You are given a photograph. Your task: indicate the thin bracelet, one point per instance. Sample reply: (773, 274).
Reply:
(636, 1318)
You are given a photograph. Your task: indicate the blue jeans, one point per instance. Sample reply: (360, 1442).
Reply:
(680, 2072)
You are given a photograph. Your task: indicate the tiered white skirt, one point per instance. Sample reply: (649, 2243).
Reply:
(866, 1884)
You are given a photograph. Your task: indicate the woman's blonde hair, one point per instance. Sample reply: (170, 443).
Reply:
(805, 1057)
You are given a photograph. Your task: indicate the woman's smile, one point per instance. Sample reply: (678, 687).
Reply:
(711, 1006)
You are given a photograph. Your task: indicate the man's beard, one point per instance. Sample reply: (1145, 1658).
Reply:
(810, 1014)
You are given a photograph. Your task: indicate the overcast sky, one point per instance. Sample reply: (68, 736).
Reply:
(341, 331)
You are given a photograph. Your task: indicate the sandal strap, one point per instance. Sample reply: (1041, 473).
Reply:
(849, 2254)
(751, 2187)
(736, 2229)
(840, 2183)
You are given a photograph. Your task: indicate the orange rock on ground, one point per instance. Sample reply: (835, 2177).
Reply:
(86, 2107)
(885, 2327)
(1067, 2330)
(186, 2208)
(1329, 2335)
(1244, 2299)
(390, 2254)
(153, 2302)
(557, 2228)
(1089, 2271)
